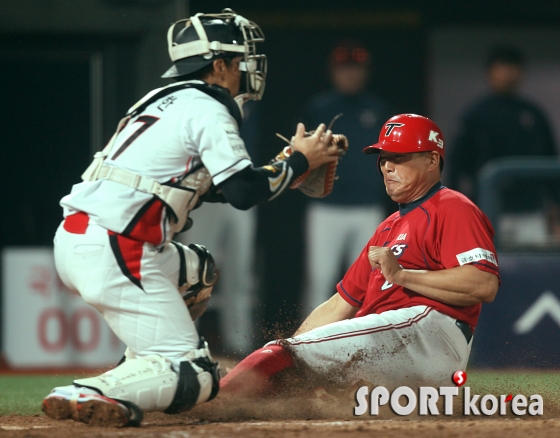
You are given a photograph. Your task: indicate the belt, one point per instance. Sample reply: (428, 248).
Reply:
(465, 328)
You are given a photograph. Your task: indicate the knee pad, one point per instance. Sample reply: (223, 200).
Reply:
(198, 274)
(197, 269)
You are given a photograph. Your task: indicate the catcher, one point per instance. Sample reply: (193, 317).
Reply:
(405, 311)
(177, 147)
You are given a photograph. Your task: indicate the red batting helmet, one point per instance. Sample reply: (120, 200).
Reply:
(408, 133)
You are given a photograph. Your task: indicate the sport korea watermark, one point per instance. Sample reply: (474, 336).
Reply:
(424, 400)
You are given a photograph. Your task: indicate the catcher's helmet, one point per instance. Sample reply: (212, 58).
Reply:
(409, 133)
(207, 37)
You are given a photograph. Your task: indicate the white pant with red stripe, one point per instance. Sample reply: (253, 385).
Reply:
(416, 346)
(143, 307)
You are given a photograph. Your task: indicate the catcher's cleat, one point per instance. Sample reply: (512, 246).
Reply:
(87, 406)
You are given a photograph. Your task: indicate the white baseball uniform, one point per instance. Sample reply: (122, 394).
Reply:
(113, 246)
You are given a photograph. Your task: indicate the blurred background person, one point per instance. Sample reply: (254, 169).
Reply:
(505, 124)
(229, 234)
(338, 225)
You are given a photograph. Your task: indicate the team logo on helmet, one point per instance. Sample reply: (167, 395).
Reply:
(391, 126)
(434, 137)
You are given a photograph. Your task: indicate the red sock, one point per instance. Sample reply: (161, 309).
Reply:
(251, 376)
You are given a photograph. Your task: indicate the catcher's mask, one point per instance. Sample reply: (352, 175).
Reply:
(206, 37)
(407, 134)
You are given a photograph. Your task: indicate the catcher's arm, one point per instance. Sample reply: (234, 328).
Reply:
(251, 186)
(317, 182)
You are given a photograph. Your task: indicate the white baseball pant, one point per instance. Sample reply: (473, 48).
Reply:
(415, 346)
(149, 320)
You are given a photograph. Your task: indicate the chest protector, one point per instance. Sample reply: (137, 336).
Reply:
(181, 196)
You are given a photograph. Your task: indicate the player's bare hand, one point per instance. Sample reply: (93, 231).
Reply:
(316, 147)
(383, 258)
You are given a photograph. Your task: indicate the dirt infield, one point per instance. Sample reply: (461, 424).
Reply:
(296, 417)
(183, 427)
(321, 413)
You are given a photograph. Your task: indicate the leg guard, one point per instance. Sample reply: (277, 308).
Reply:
(199, 380)
(151, 383)
(198, 274)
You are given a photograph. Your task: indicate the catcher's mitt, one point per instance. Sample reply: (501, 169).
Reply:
(319, 182)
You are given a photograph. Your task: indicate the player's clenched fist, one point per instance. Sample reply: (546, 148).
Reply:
(383, 258)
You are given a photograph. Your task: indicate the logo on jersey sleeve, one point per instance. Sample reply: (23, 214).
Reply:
(235, 141)
(476, 255)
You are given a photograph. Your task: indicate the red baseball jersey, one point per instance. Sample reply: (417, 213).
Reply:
(442, 230)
